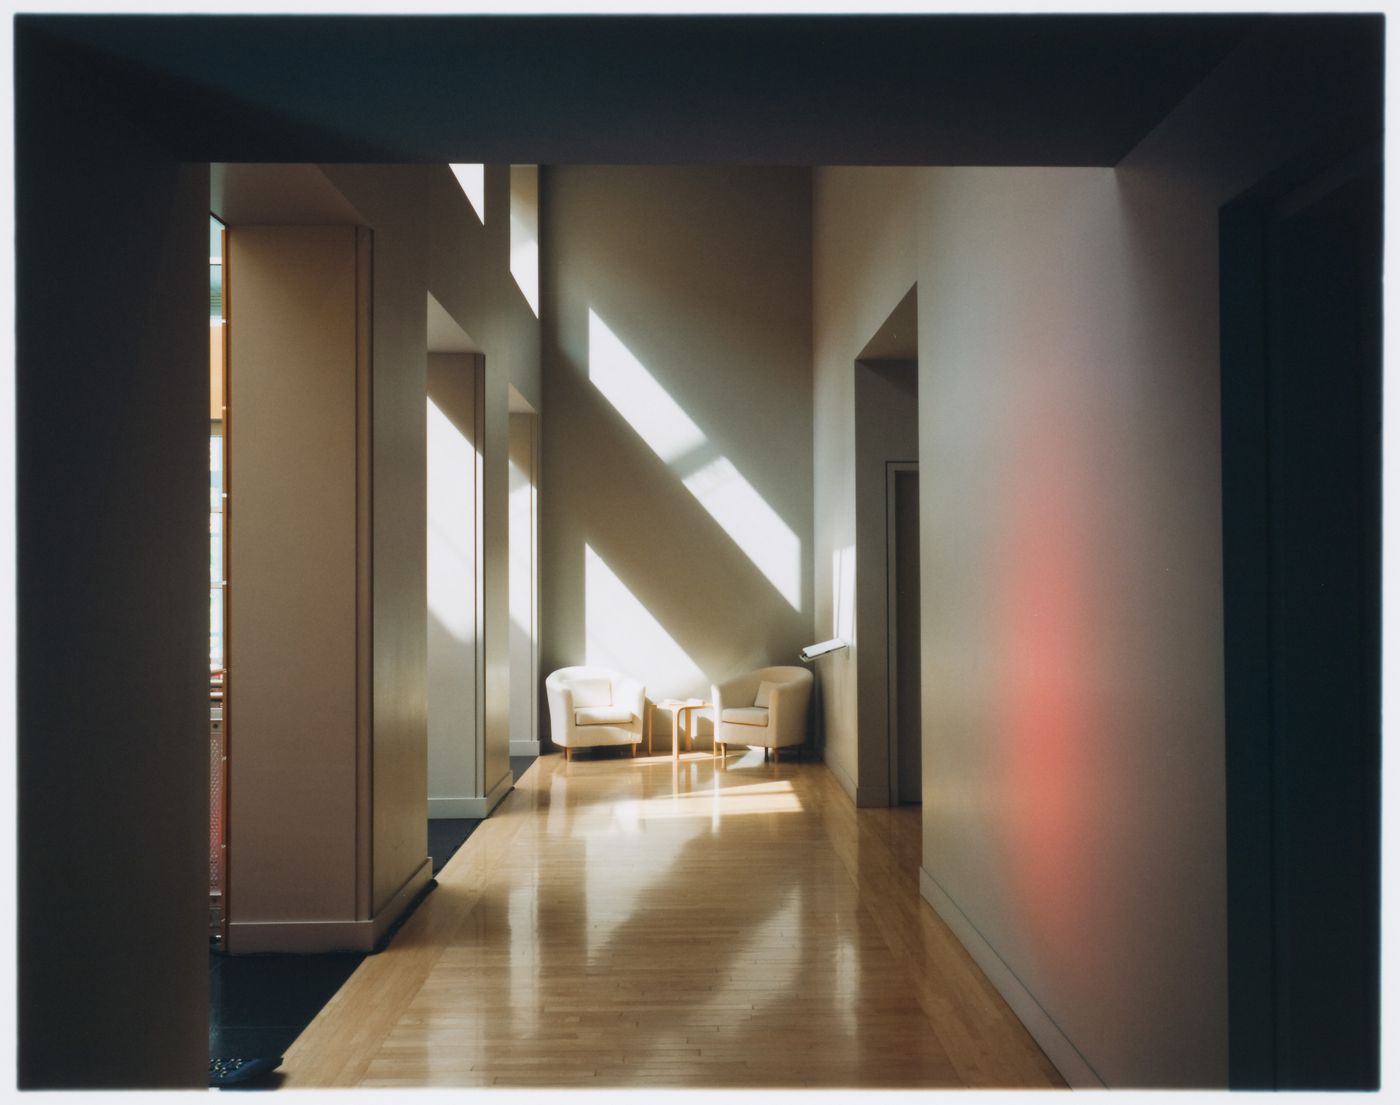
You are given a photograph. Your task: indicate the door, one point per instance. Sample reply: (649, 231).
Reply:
(906, 741)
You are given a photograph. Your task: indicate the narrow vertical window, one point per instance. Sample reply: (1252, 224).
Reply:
(472, 178)
(525, 232)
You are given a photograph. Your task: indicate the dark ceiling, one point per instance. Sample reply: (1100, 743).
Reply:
(932, 89)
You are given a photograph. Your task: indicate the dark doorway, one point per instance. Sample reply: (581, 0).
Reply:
(906, 721)
(1300, 422)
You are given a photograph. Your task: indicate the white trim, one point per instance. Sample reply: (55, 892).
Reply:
(476, 807)
(524, 748)
(314, 937)
(1057, 1046)
(839, 773)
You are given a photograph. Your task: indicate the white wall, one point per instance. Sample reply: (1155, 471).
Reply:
(1073, 745)
(1073, 694)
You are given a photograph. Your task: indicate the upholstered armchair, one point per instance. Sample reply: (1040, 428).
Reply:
(591, 706)
(765, 709)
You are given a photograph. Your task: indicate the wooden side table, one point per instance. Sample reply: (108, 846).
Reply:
(682, 711)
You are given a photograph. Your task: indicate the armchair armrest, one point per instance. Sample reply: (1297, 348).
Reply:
(729, 694)
(630, 693)
(561, 710)
(787, 711)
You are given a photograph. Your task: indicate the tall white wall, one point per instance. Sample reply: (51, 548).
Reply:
(863, 263)
(1073, 692)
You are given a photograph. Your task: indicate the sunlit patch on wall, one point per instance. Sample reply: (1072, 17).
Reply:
(754, 525)
(730, 499)
(622, 634)
(634, 393)
(451, 520)
(521, 522)
(843, 592)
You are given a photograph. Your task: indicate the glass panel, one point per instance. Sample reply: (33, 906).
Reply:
(216, 548)
(216, 627)
(216, 291)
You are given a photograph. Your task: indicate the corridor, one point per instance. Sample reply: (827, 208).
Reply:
(697, 923)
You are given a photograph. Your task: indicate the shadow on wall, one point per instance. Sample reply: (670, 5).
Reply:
(706, 560)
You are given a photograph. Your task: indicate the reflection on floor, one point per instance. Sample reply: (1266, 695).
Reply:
(691, 922)
(259, 1004)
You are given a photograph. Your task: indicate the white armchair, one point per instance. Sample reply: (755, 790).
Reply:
(591, 706)
(765, 709)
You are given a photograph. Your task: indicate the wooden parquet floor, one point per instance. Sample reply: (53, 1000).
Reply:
(640, 922)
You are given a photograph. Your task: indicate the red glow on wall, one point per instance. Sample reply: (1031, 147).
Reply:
(1045, 591)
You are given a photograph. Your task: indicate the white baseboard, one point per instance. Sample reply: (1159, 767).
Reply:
(839, 774)
(1057, 1046)
(478, 806)
(524, 748)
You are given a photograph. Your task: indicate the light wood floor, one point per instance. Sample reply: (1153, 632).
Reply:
(633, 922)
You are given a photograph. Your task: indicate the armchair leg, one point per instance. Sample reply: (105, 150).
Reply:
(568, 753)
(634, 751)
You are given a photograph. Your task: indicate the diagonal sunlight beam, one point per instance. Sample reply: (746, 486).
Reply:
(451, 544)
(623, 635)
(520, 523)
(645, 404)
(754, 525)
(843, 592)
(730, 499)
